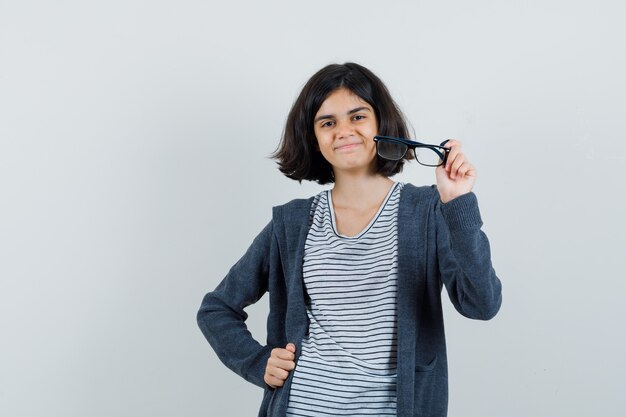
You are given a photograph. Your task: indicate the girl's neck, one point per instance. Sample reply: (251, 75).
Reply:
(362, 190)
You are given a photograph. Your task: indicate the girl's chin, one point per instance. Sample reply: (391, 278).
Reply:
(354, 167)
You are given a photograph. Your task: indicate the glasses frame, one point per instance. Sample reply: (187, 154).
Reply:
(412, 145)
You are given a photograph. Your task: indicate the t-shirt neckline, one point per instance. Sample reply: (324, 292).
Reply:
(370, 224)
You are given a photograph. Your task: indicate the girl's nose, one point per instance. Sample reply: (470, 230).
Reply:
(344, 128)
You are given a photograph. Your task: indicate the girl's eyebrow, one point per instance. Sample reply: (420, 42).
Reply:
(330, 116)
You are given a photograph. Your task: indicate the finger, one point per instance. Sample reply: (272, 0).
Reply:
(456, 164)
(277, 373)
(449, 143)
(268, 379)
(291, 347)
(273, 382)
(458, 161)
(463, 169)
(455, 149)
(281, 364)
(470, 171)
(282, 354)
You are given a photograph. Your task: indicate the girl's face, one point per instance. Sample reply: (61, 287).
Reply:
(345, 126)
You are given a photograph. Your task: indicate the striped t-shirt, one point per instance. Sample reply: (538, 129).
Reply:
(348, 362)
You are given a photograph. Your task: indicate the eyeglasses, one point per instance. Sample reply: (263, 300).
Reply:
(394, 149)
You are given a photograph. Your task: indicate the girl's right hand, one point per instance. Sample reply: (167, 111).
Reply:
(279, 364)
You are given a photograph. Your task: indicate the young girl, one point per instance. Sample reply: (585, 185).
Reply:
(355, 273)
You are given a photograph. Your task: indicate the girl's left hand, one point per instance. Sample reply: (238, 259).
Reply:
(458, 175)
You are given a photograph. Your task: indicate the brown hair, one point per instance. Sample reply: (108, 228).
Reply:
(297, 154)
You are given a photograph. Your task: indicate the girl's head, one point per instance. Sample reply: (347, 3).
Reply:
(298, 154)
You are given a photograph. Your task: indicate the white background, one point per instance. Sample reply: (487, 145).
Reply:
(134, 171)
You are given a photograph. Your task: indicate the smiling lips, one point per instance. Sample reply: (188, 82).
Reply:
(347, 146)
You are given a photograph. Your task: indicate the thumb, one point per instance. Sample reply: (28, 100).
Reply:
(291, 347)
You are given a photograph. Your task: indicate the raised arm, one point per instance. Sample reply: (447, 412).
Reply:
(462, 248)
(465, 259)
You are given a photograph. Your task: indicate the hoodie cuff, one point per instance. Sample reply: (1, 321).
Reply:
(256, 373)
(462, 213)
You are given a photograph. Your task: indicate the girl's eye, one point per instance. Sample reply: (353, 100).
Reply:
(359, 117)
(327, 123)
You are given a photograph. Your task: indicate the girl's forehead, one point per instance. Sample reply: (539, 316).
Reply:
(342, 97)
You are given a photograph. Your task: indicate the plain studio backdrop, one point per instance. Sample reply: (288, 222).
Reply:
(134, 171)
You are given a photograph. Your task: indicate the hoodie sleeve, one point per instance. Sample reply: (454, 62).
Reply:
(465, 258)
(222, 317)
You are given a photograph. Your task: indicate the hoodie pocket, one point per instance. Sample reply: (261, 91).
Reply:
(431, 390)
(427, 367)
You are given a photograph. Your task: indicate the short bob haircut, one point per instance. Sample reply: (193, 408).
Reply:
(297, 154)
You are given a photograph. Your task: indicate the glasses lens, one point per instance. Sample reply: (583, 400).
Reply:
(428, 157)
(391, 150)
